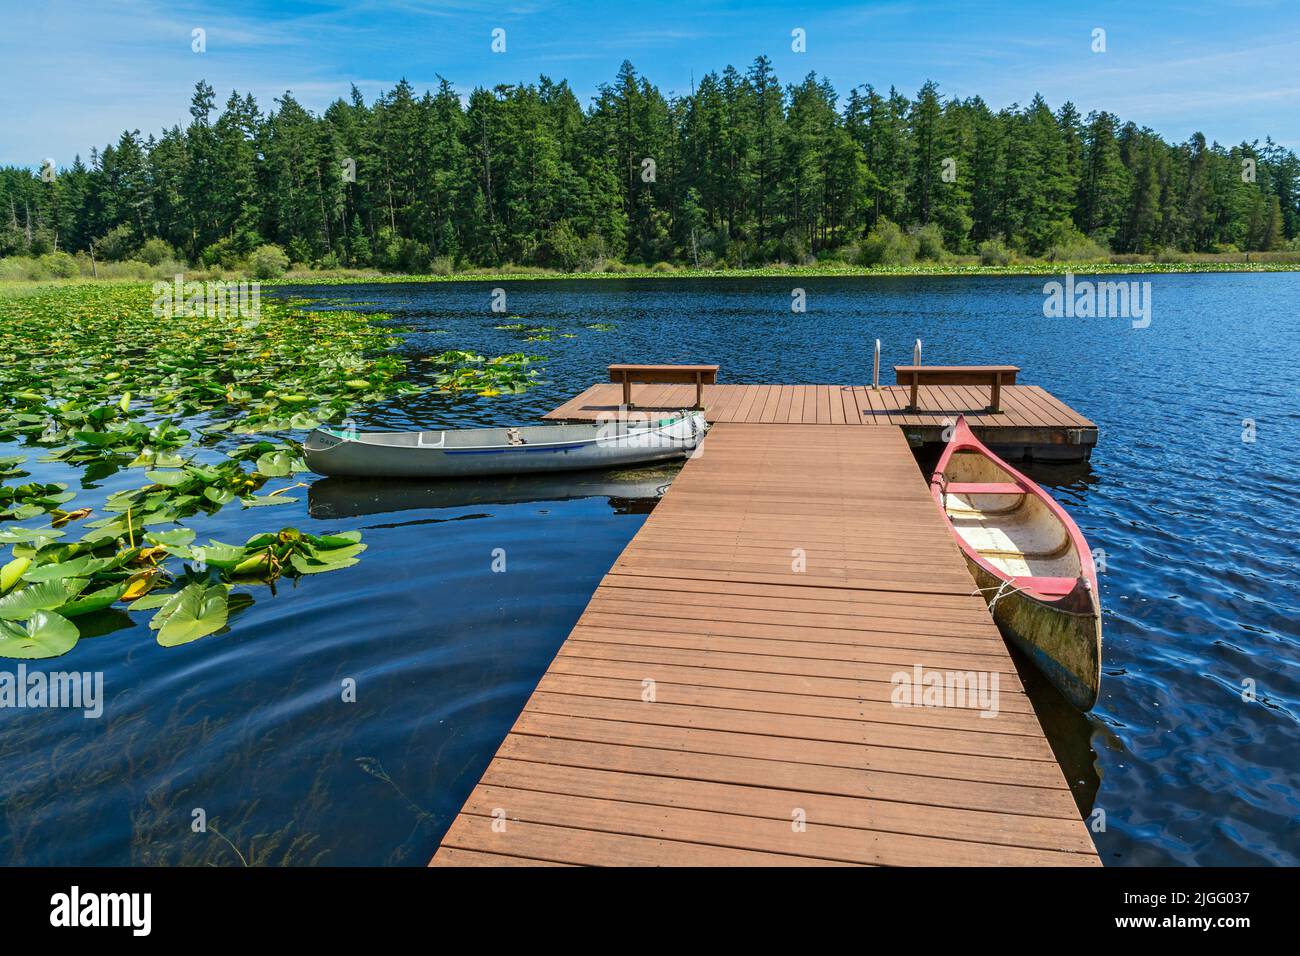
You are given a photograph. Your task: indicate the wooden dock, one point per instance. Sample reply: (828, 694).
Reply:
(726, 697)
(1033, 424)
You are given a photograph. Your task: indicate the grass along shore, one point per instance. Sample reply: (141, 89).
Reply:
(955, 266)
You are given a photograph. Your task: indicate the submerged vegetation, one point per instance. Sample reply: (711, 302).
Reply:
(99, 379)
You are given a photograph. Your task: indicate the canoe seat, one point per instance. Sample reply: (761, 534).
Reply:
(984, 488)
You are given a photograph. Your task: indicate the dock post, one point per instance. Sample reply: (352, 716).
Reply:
(875, 369)
(916, 376)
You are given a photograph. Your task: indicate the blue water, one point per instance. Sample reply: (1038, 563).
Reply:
(1201, 589)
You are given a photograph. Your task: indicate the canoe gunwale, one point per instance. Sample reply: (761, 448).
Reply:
(636, 432)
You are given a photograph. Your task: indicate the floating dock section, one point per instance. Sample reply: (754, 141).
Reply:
(748, 685)
(1032, 425)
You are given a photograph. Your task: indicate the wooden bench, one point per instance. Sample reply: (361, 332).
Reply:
(700, 375)
(994, 376)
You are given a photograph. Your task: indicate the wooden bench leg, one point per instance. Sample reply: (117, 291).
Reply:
(627, 391)
(911, 403)
(995, 406)
(699, 391)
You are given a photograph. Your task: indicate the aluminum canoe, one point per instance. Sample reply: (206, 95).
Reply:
(464, 453)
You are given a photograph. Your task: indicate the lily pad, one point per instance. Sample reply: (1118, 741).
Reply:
(43, 596)
(45, 634)
(195, 611)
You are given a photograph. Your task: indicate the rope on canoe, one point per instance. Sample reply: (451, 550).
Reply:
(1001, 590)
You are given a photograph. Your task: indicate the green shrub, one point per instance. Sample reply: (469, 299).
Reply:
(154, 251)
(59, 265)
(663, 267)
(929, 242)
(18, 268)
(994, 252)
(224, 252)
(887, 245)
(561, 248)
(299, 250)
(394, 254)
(167, 268)
(442, 266)
(116, 245)
(268, 262)
(1065, 243)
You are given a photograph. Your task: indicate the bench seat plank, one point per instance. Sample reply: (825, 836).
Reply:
(699, 375)
(994, 376)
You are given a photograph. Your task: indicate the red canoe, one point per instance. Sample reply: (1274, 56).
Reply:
(1030, 562)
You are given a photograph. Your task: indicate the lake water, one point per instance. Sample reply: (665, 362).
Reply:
(1201, 590)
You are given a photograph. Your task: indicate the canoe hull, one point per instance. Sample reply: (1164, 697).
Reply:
(447, 455)
(1064, 644)
(1030, 562)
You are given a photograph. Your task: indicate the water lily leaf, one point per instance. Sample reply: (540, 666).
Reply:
(9, 466)
(254, 566)
(333, 555)
(140, 584)
(168, 479)
(214, 553)
(88, 603)
(277, 464)
(150, 601)
(42, 596)
(82, 567)
(177, 537)
(21, 512)
(196, 612)
(340, 540)
(219, 496)
(303, 565)
(29, 535)
(12, 573)
(46, 635)
(262, 501)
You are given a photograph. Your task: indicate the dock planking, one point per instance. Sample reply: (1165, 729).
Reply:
(787, 574)
(1032, 423)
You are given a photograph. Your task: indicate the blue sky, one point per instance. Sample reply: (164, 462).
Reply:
(75, 73)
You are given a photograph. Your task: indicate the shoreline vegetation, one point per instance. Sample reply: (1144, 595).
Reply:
(746, 175)
(954, 267)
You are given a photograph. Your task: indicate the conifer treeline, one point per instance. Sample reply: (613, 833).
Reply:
(741, 171)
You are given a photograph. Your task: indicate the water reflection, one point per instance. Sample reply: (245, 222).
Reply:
(627, 491)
